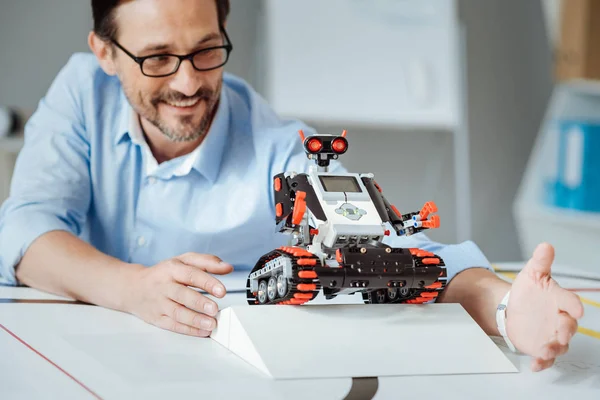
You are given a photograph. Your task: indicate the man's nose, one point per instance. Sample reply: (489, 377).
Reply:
(186, 80)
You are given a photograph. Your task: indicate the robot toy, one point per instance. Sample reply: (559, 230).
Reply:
(338, 222)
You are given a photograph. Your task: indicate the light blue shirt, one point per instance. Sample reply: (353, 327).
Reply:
(86, 169)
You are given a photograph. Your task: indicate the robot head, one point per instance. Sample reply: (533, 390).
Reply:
(323, 148)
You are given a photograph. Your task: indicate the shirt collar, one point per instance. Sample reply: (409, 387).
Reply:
(205, 159)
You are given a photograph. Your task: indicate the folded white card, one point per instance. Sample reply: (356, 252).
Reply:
(328, 341)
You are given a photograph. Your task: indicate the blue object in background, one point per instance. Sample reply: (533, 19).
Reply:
(577, 184)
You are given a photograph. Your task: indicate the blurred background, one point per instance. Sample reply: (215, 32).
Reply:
(459, 102)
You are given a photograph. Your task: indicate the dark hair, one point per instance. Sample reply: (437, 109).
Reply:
(103, 14)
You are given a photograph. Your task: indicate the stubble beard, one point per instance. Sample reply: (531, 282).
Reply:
(185, 131)
(176, 136)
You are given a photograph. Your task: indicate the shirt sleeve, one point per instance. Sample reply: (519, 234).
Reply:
(50, 188)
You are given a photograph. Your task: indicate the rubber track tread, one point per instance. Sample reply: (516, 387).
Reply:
(296, 280)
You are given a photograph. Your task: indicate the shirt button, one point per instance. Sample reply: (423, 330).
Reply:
(151, 180)
(141, 241)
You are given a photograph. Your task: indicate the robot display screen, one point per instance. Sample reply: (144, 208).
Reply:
(340, 184)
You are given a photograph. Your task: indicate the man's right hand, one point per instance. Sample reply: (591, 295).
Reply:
(160, 294)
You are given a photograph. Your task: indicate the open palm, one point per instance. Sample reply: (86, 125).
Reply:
(541, 316)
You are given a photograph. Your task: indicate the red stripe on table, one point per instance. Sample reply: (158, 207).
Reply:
(50, 361)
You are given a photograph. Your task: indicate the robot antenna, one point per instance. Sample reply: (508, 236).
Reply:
(301, 133)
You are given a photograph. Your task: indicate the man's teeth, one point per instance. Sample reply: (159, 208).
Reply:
(185, 103)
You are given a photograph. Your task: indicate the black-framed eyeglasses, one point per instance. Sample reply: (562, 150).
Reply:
(161, 65)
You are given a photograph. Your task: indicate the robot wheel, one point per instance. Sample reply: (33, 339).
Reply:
(283, 276)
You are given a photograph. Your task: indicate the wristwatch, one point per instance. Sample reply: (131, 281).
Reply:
(501, 321)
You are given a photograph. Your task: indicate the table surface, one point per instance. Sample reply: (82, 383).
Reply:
(52, 347)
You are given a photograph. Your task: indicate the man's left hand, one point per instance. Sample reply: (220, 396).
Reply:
(541, 316)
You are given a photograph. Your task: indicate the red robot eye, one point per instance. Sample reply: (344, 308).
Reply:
(314, 145)
(339, 145)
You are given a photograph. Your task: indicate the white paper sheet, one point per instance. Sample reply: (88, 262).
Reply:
(288, 342)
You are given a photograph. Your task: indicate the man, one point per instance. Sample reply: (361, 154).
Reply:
(144, 173)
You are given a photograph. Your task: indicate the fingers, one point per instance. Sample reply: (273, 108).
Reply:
(166, 322)
(206, 262)
(552, 350)
(541, 261)
(569, 302)
(567, 327)
(195, 277)
(549, 354)
(185, 316)
(538, 364)
(192, 299)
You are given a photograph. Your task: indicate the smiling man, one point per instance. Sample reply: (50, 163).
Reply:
(147, 169)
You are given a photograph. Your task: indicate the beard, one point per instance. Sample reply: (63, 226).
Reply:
(186, 128)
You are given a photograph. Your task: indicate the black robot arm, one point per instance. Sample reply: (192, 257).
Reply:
(293, 196)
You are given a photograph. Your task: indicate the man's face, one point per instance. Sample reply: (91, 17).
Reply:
(181, 105)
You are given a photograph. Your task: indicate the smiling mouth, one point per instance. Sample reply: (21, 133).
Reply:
(183, 104)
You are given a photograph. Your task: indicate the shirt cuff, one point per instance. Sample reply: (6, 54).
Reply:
(17, 232)
(456, 257)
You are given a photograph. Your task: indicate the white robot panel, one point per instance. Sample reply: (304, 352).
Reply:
(352, 218)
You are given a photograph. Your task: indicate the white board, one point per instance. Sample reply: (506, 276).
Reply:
(335, 341)
(389, 62)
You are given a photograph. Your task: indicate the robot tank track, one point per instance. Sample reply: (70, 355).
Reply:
(293, 275)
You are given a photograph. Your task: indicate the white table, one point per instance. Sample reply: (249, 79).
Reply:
(53, 348)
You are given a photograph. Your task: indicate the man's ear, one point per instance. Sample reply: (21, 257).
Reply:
(104, 53)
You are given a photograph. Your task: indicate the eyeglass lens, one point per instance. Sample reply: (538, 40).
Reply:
(204, 60)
